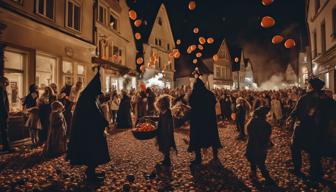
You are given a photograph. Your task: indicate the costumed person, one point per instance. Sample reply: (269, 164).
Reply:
(31, 107)
(203, 125)
(241, 110)
(312, 115)
(259, 134)
(87, 145)
(4, 113)
(165, 136)
(56, 140)
(150, 101)
(276, 110)
(114, 106)
(124, 119)
(64, 99)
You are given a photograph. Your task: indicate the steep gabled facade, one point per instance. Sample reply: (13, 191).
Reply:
(156, 51)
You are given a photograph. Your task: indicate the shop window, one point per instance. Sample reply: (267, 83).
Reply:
(45, 70)
(114, 22)
(73, 15)
(45, 8)
(67, 69)
(14, 71)
(81, 73)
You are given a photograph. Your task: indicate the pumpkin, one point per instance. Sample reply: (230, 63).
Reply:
(138, 22)
(290, 43)
(132, 14)
(192, 5)
(267, 22)
(277, 39)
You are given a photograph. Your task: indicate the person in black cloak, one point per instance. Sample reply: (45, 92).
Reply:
(87, 145)
(64, 99)
(203, 125)
(124, 113)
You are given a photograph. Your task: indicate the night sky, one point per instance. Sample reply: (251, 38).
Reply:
(238, 21)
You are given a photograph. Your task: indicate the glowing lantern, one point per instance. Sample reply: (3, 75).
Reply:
(137, 36)
(132, 14)
(139, 60)
(196, 30)
(200, 47)
(290, 43)
(236, 59)
(194, 61)
(192, 5)
(142, 86)
(142, 68)
(277, 39)
(138, 22)
(171, 54)
(177, 54)
(199, 54)
(193, 47)
(267, 22)
(267, 2)
(210, 40)
(201, 40)
(189, 50)
(215, 57)
(178, 42)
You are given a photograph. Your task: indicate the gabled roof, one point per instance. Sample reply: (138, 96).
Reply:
(186, 67)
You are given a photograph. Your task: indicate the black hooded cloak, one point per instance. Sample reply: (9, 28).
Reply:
(203, 125)
(88, 144)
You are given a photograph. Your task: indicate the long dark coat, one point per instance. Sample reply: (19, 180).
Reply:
(203, 124)
(313, 111)
(142, 104)
(4, 106)
(124, 113)
(259, 132)
(165, 137)
(88, 144)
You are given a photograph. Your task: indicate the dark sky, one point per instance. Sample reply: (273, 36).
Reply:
(238, 21)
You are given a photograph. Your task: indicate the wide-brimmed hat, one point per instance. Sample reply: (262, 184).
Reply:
(316, 83)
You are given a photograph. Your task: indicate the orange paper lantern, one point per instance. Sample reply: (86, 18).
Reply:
(142, 68)
(201, 40)
(132, 14)
(199, 54)
(194, 61)
(277, 39)
(290, 43)
(178, 42)
(267, 2)
(137, 36)
(193, 47)
(139, 60)
(267, 22)
(210, 40)
(192, 5)
(200, 47)
(177, 54)
(138, 22)
(236, 59)
(196, 30)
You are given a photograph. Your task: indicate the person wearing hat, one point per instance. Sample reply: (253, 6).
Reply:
(4, 111)
(311, 114)
(259, 138)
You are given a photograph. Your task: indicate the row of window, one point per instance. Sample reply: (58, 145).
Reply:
(158, 42)
(110, 51)
(108, 18)
(222, 72)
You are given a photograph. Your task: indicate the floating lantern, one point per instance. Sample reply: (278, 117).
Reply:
(267, 22)
(196, 30)
(142, 68)
(215, 57)
(192, 5)
(194, 61)
(200, 47)
(290, 43)
(210, 40)
(267, 2)
(193, 47)
(277, 39)
(199, 54)
(137, 36)
(177, 54)
(138, 22)
(236, 59)
(132, 14)
(139, 60)
(201, 40)
(178, 42)
(189, 50)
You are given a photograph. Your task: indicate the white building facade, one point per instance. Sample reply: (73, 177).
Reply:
(321, 18)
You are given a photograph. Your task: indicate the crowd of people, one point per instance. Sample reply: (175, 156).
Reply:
(80, 118)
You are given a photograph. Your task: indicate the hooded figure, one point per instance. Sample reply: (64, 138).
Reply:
(203, 125)
(124, 119)
(87, 145)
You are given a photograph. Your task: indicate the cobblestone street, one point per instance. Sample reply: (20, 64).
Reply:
(27, 171)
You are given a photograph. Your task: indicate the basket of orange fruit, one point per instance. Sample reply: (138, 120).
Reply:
(145, 129)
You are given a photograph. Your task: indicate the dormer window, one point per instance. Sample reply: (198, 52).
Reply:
(160, 21)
